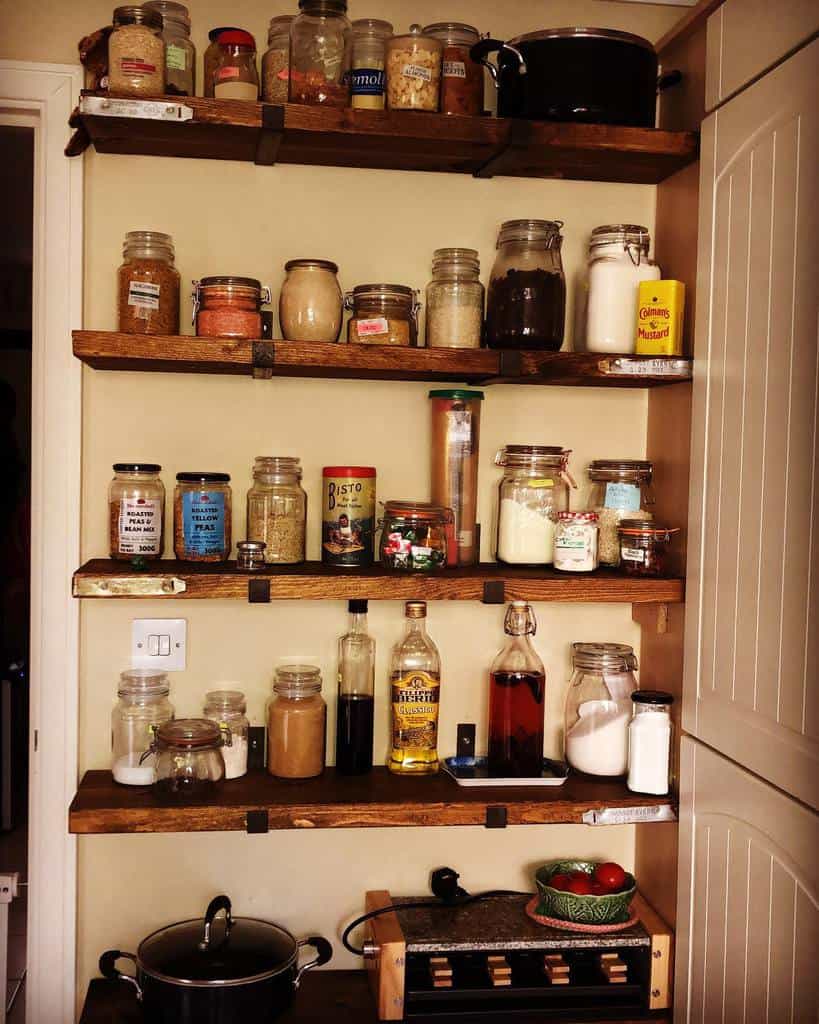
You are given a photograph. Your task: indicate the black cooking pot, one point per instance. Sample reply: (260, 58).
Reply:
(592, 75)
(205, 972)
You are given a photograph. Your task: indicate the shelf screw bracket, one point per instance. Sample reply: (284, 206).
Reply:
(258, 591)
(257, 823)
(496, 817)
(494, 592)
(264, 359)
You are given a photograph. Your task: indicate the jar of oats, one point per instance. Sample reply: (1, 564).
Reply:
(136, 52)
(277, 509)
(413, 71)
(276, 60)
(136, 511)
(148, 284)
(202, 514)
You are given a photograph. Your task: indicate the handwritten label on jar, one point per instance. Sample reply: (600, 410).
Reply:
(203, 522)
(454, 69)
(376, 325)
(143, 295)
(175, 58)
(417, 71)
(228, 72)
(625, 497)
(140, 526)
(633, 555)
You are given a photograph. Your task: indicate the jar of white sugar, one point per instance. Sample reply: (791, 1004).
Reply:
(649, 742)
(228, 709)
(618, 262)
(142, 707)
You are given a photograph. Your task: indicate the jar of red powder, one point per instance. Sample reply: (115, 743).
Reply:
(229, 307)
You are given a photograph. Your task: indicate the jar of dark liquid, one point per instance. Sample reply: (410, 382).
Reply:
(516, 700)
(526, 301)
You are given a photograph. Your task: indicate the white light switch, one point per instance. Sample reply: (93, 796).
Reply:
(159, 643)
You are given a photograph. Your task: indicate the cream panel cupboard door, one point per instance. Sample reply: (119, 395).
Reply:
(752, 640)
(748, 919)
(746, 37)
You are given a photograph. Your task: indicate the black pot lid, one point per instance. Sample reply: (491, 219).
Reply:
(235, 951)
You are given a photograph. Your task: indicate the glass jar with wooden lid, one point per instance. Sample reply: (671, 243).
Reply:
(383, 314)
(296, 723)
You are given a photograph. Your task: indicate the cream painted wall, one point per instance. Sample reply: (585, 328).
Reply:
(231, 218)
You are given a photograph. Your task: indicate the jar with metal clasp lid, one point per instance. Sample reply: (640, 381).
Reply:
(620, 489)
(383, 314)
(418, 536)
(229, 307)
(189, 761)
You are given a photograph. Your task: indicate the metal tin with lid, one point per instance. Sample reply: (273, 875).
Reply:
(348, 516)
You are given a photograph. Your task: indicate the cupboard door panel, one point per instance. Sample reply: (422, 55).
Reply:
(752, 653)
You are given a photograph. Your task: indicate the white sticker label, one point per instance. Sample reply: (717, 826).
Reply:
(633, 555)
(377, 325)
(143, 295)
(416, 71)
(464, 538)
(629, 815)
(454, 69)
(140, 526)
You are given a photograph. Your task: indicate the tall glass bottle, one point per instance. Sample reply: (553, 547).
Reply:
(356, 687)
(516, 700)
(415, 681)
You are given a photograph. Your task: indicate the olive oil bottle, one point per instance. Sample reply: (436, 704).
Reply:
(415, 682)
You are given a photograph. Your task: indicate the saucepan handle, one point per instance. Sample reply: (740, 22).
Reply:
(324, 954)
(667, 79)
(108, 968)
(480, 53)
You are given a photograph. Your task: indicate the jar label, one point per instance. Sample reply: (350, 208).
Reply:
(175, 57)
(624, 497)
(143, 295)
(139, 528)
(203, 522)
(633, 555)
(228, 72)
(348, 520)
(415, 699)
(459, 432)
(417, 71)
(367, 81)
(376, 325)
(540, 482)
(136, 67)
(454, 69)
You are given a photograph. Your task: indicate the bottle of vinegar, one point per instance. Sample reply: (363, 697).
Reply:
(356, 684)
(415, 674)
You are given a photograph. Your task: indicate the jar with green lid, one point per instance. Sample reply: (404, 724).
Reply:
(180, 53)
(202, 517)
(276, 60)
(620, 489)
(136, 52)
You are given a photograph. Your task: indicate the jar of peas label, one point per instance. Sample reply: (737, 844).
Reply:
(202, 517)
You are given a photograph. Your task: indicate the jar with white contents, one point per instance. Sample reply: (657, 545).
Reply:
(142, 707)
(228, 709)
(649, 742)
(618, 262)
(576, 542)
(533, 492)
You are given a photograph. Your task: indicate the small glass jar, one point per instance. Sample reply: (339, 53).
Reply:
(576, 542)
(212, 56)
(620, 489)
(276, 60)
(454, 300)
(228, 709)
(235, 76)
(250, 555)
(296, 723)
(383, 314)
(417, 536)
(229, 307)
(461, 77)
(598, 708)
(189, 761)
(202, 517)
(533, 491)
(136, 52)
(143, 706)
(321, 40)
(644, 547)
(277, 509)
(180, 53)
(618, 262)
(526, 302)
(414, 71)
(310, 302)
(148, 284)
(649, 742)
(136, 511)
(368, 77)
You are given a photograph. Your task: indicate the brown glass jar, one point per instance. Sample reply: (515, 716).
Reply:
(461, 77)
(383, 314)
(229, 307)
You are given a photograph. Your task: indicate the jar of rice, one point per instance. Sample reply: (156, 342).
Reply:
(620, 489)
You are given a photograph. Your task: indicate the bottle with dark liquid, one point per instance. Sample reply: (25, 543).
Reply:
(516, 700)
(356, 686)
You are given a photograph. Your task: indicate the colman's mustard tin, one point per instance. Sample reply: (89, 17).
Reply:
(660, 318)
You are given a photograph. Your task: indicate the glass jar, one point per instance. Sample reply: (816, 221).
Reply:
(228, 709)
(250, 555)
(598, 708)
(383, 314)
(644, 547)
(310, 302)
(576, 542)
(148, 284)
(296, 723)
(189, 761)
(321, 40)
(417, 536)
(143, 706)
(414, 71)
(229, 307)
(534, 489)
(526, 304)
(276, 60)
(136, 52)
(277, 509)
(235, 76)
(618, 262)
(212, 56)
(461, 77)
(454, 300)
(620, 489)
(202, 517)
(136, 511)
(649, 742)
(368, 77)
(180, 53)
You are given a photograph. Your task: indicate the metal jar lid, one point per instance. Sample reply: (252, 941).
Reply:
(604, 657)
(189, 734)
(535, 232)
(308, 264)
(203, 478)
(137, 467)
(621, 469)
(132, 14)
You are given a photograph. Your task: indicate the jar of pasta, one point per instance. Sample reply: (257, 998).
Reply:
(310, 302)
(136, 52)
(368, 79)
(136, 511)
(414, 71)
(277, 509)
(461, 77)
(202, 515)
(454, 300)
(148, 284)
(276, 61)
(383, 314)
(296, 723)
(620, 489)
(229, 307)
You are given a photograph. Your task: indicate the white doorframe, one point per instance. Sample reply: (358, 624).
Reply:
(43, 95)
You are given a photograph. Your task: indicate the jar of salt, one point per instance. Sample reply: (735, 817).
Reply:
(228, 709)
(143, 706)
(649, 742)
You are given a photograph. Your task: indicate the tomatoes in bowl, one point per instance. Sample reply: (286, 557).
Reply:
(610, 877)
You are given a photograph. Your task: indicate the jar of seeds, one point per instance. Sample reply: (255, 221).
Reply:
(148, 284)
(277, 509)
(136, 52)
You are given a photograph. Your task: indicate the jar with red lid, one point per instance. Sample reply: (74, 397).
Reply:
(461, 77)
(348, 516)
(418, 537)
(229, 307)
(236, 76)
(576, 541)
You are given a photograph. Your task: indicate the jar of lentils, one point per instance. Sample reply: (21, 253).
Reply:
(136, 511)
(136, 52)
(276, 60)
(202, 517)
(455, 300)
(229, 307)
(148, 284)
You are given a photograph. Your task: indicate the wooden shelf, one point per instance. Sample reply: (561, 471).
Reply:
(106, 350)
(377, 800)
(488, 582)
(395, 140)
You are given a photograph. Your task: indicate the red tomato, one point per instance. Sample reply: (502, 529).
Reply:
(579, 874)
(559, 881)
(597, 889)
(610, 877)
(581, 884)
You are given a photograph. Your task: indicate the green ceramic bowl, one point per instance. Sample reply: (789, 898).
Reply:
(610, 909)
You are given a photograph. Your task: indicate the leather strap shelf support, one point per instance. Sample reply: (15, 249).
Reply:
(264, 359)
(270, 135)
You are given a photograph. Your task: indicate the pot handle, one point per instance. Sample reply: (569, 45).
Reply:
(108, 968)
(216, 904)
(480, 51)
(665, 81)
(324, 955)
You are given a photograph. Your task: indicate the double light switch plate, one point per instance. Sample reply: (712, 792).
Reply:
(159, 644)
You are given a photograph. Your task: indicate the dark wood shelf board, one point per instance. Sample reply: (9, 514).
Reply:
(377, 800)
(109, 350)
(394, 140)
(105, 578)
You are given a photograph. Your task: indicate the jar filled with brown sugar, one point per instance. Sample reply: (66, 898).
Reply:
(136, 511)
(136, 52)
(148, 284)
(296, 723)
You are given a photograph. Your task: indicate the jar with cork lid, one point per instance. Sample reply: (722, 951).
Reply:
(296, 723)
